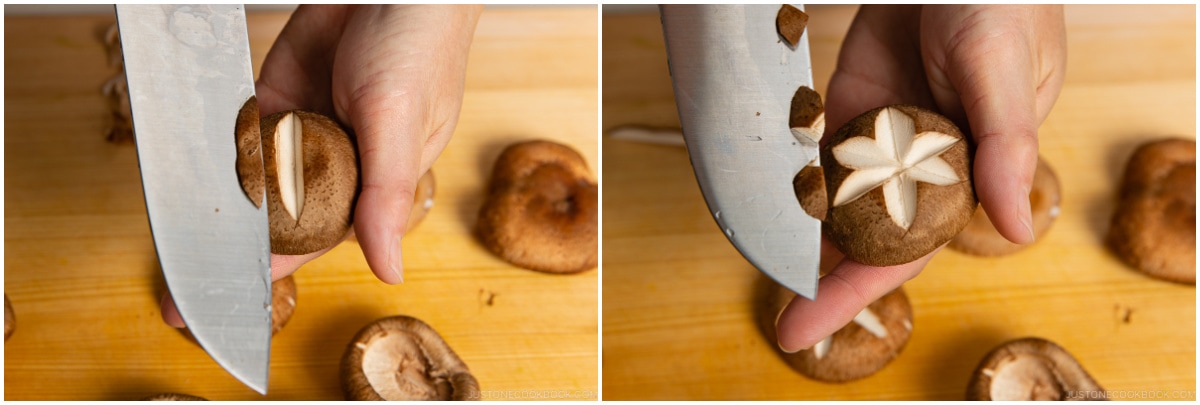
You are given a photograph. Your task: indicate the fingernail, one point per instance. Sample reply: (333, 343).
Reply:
(1025, 213)
(780, 342)
(394, 260)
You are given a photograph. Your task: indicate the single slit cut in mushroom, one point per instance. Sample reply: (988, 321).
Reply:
(1154, 227)
(863, 347)
(980, 238)
(900, 177)
(289, 135)
(402, 358)
(10, 318)
(1031, 369)
(542, 211)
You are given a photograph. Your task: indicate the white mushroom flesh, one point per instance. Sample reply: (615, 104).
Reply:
(822, 347)
(290, 154)
(896, 160)
(1024, 378)
(867, 320)
(398, 370)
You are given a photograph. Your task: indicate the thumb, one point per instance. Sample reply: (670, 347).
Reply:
(989, 79)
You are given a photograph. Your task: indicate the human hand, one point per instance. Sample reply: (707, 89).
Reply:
(997, 68)
(395, 74)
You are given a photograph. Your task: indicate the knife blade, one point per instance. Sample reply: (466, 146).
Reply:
(189, 73)
(734, 79)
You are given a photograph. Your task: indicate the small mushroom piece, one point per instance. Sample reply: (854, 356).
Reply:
(541, 212)
(283, 303)
(1154, 227)
(312, 180)
(980, 238)
(900, 182)
(10, 319)
(807, 121)
(171, 396)
(401, 358)
(1030, 369)
(860, 349)
(791, 23)
(249, 160)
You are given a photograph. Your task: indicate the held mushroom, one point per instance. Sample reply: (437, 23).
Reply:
(541, 212)
(312, 181)
(171, 396)
(1031, 369)
(402, 358)
(980, 238)
(1154, 227)
(868, 343)
(900, 181)
(10, 319)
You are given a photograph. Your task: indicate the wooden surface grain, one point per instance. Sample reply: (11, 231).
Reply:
(80, 266)
(678, 299)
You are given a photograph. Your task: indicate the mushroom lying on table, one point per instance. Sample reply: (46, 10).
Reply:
(402, 358)
(542, 209)
(863, 347)
(1031, 369)
(1154, 227)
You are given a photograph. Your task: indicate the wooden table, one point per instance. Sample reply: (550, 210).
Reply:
(81, 270)
(678, 297)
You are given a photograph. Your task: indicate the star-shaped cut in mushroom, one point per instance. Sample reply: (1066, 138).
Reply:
(866, 319)
(896, 160)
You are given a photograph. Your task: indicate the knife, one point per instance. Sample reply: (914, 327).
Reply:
(189, 73)
(734, 80)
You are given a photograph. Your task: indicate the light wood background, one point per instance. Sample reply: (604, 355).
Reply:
(81, 271)
(678, 297)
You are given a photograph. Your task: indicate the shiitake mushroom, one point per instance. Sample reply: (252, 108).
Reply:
(542, 211)
(403, 358)
(1031, 368)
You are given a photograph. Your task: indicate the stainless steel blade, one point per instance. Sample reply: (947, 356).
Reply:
(189, 73)
(734, 80)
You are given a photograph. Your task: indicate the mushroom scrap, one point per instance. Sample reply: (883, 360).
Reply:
(1031, 369)
(402, 358)
(900, 177)
(1154, 227)
(541, 212)
(876, 336)
(171, 396)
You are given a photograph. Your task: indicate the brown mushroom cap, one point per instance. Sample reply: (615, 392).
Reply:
(10, 319)
(791, 23)
(331, 185)
(1029, 369)
(1154, 227)
(402, 358)
(980, 238)
(863, 228)
(283, 303)
(171, 396)
(854, 352)
(809, 186)
(542, 209)
(249, 152)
